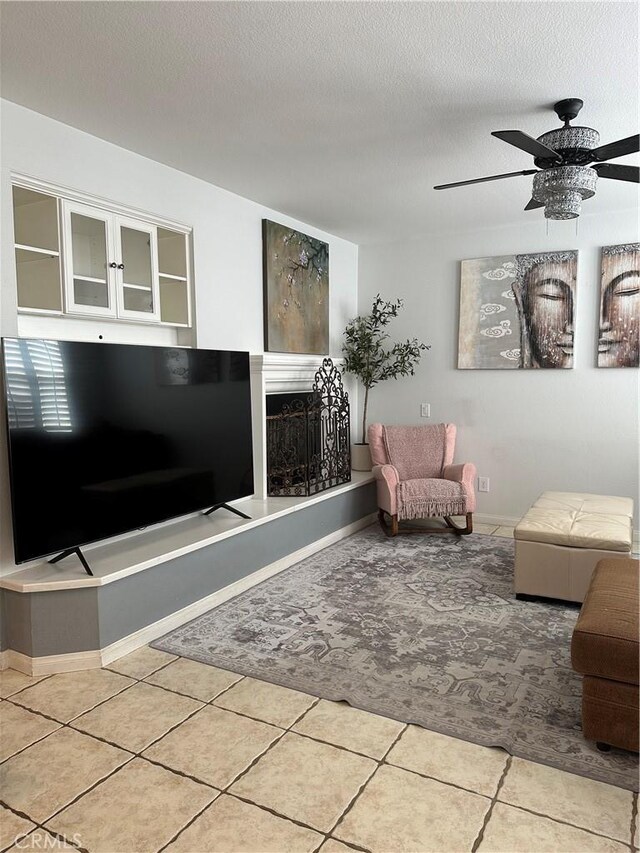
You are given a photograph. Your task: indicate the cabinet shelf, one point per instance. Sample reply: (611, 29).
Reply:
(89, 278)
(137, 286)
(173, 277)
(39, 252)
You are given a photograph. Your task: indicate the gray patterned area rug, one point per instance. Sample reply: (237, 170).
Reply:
(424, 630)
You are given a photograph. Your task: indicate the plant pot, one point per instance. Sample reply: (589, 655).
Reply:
(360, 457)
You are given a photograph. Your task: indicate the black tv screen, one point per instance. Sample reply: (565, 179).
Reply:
(108, 438)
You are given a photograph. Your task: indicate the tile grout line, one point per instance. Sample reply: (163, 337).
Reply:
(148, 746)
(225, 789)
(41, 824)
(564, 822)
(379, 762)
(494, 800)
(39, 678)
(33, 743)
(17, 812)
(132, 755)
(189, 823)
(20, 837)
(634, 820)
(108, 667)
(67, 724)
(436, 779)
(82, 713)
(336, 745)
(60, 837)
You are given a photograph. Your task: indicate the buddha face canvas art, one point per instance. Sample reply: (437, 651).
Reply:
(517, 311)
(619, 328)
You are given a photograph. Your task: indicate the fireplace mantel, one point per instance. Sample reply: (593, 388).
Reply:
(284, 372)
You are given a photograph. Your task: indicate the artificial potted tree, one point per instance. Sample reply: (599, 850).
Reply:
(372, 360)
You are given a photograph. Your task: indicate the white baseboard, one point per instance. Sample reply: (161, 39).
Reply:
(497, 520)
(51, 664)
(95, 658)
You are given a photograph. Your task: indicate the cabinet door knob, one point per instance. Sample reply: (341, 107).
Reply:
(120, 266)
(113, 265)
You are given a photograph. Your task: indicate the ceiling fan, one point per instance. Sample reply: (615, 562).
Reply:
(565, 176)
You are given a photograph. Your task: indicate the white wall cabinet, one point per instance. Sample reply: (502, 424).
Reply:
(84, 260)
(111, 264)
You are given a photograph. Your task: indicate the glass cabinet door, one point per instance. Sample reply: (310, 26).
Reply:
(137, 270)
(89, 280)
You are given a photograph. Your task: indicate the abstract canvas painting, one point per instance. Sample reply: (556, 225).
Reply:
(296, 291)
(619, 332)
(517, 311)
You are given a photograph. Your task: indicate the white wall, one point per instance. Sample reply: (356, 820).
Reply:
(227, 237)
(528, 430)
(227, 228)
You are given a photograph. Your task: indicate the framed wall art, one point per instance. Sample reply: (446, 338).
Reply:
(517, 311)
(296, 291)
(619, 326)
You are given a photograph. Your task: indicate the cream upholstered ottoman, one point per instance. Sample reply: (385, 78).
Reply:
(562, 537)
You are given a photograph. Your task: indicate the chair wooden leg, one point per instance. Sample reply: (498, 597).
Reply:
(392, 529)
(460, 531)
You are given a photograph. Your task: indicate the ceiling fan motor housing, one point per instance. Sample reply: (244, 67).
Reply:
(573, 144)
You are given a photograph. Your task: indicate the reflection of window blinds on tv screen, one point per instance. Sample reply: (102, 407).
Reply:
(107, 438)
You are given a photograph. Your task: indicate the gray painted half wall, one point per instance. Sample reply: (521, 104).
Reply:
(78, 620)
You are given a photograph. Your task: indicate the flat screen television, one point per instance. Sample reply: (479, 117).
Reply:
(109, 438)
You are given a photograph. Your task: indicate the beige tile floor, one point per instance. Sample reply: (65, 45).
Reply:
(169, 754)
(158, 753)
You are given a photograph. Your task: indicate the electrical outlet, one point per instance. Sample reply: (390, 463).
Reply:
(483, 484)
(425, 410)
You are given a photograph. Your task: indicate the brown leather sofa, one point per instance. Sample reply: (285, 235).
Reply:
(604, 648)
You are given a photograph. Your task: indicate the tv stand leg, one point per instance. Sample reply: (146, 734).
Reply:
(230, 508)
(68, 553)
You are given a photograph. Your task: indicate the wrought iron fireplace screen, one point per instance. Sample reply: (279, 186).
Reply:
(308, 442)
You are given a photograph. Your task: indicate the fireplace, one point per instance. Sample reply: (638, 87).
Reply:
(308, 436)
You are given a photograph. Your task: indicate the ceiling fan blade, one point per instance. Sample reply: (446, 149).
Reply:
(618, 172)
(526, 143)
(533, 204)
(630, 145)
(482, 180)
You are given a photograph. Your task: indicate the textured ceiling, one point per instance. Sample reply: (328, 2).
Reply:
(341, 114)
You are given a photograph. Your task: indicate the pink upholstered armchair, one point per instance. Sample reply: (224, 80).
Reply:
(415, 477)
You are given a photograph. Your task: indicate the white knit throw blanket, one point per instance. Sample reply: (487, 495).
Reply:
(430, 497)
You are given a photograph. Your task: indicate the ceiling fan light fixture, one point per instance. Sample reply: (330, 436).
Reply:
(565, 205)
(562, 190)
